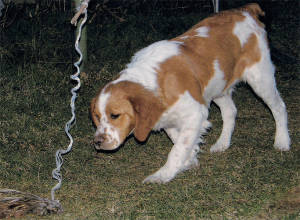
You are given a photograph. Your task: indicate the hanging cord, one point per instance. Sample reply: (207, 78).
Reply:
(216, 5)
(58, 156)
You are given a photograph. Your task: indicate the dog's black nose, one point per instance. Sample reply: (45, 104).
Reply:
(98, 140)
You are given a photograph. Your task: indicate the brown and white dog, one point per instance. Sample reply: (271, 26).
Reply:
(170, 84)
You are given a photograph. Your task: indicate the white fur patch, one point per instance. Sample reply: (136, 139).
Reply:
(202, 31)
(245, 28)
(184, 37)
(143, 67)
(105, 127)
(215, 85)
(260, 77)
(176, 116)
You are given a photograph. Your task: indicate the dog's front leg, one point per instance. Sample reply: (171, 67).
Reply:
(183, 154)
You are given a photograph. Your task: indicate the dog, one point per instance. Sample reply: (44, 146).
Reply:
(170, 84)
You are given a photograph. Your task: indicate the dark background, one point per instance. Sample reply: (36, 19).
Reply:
(41, 32)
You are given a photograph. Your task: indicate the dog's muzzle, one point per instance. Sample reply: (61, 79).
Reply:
(103, 143)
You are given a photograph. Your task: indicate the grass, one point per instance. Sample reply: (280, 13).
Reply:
(249, 180)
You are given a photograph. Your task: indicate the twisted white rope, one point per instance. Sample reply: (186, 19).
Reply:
(58, 156)
(216, 5)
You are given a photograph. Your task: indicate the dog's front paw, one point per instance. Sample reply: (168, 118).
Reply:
(283, 143)
(219, 147)
(161, 176)
(191, 163)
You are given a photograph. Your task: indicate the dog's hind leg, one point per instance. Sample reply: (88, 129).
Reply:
(261, 78)
(228, 111)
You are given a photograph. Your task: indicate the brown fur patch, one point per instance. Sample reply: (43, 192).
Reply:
(193, 68)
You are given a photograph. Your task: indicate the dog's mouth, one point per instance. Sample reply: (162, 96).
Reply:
(103, 144)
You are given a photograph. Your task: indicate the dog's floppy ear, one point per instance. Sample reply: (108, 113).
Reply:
(147, 109)
(93, 112)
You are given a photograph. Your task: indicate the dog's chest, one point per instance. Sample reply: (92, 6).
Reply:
(177, 114)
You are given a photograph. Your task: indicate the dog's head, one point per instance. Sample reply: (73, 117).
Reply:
(121, 109)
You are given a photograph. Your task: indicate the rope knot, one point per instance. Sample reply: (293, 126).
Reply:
(80, 10)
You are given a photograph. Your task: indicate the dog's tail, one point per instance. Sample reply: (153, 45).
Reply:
(254, 9)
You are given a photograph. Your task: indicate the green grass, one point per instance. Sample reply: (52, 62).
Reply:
(249, 180)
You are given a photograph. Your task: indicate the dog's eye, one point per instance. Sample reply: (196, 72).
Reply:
(114, 116)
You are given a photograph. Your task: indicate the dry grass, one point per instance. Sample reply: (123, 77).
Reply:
(249, 180)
